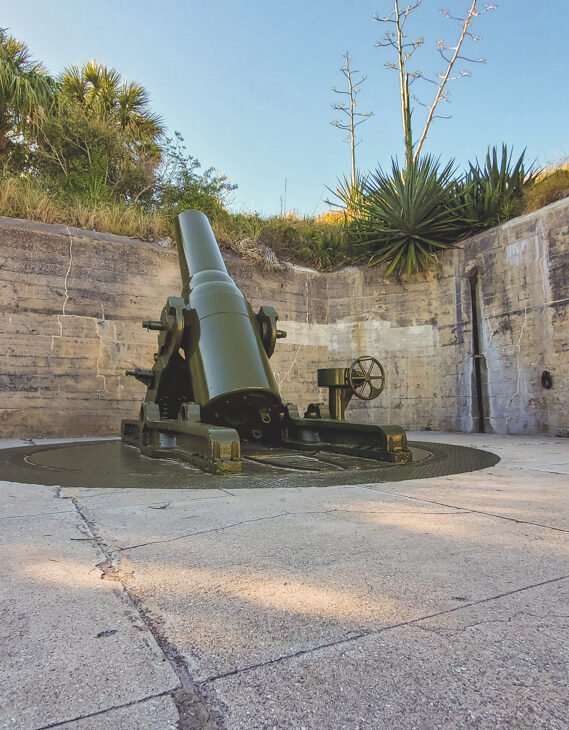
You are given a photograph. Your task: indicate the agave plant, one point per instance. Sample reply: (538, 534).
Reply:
(493, 192)
(351, 193)
(403, 218)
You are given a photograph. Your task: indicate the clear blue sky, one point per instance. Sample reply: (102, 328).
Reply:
(248, 82)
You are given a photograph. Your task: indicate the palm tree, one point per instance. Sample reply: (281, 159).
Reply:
(102, 92)
(25, 91)
(101, 137)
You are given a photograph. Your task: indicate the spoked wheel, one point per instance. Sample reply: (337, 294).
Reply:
(366, 377)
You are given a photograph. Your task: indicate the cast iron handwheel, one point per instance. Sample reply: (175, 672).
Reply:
(366, 377)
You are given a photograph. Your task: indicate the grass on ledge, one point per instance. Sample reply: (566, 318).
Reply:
(316, 242)
(24, 198)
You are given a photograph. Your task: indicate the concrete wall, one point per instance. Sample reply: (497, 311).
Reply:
(422, 331)
(71, 303)
(71, 306)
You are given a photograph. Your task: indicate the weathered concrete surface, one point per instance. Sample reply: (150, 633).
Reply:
(430, 603)
(497, 665)
(155, 714)
(72, 645)
(73, 302)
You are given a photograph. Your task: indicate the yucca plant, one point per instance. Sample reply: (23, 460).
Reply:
(404, 217)
(493, 192)
(351, 193)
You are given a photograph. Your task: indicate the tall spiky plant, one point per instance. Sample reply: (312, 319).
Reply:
(493, 191)
(405, 217)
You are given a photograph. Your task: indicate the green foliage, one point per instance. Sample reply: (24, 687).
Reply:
(406, 216)
(305, 240)
(97, 141)
(79, 154)
(25, 197)
(351, 194)
(179, 185)
(403, 218)
(493, 192)
(311, 241)
(25, 94)
(86, 149)
(123, 105)
(100, 139)
(323, 248)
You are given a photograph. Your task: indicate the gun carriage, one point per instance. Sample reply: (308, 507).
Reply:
(211, 386)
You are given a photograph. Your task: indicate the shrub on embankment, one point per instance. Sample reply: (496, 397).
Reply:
(85, 149)
(324, 242)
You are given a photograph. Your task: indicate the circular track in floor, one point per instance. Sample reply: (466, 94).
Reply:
(112, 464)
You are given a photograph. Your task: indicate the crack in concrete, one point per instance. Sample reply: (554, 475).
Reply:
(543, 259)
(375, 632)
(225, 491)
(463, 629)
(459, 511)
(98, 333)
(546, 471)
(192, 710)
(59, 336)
(65, 292)
(131, 504)
(445, 633)
(282, 380)
(471, 510)
(105, 493)
(133, 703)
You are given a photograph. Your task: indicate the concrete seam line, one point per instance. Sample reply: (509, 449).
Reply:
(376, 632)
(142, 504)
(235, 524)
(59, 723)
(459, 511)
(37, 514)
(204, 532)
(469, 509)
(548, 471)
(189, 703)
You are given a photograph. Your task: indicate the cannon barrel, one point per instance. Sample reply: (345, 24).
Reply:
(211, 384)
(232, 380)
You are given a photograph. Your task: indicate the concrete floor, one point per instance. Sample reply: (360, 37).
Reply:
(440, 603)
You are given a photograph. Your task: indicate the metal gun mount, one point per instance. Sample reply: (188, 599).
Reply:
(365, 378)
(211, 385)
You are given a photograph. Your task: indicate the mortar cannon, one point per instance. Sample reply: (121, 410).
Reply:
(211, 385)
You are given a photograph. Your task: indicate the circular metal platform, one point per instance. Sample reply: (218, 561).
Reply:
(112, 464)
